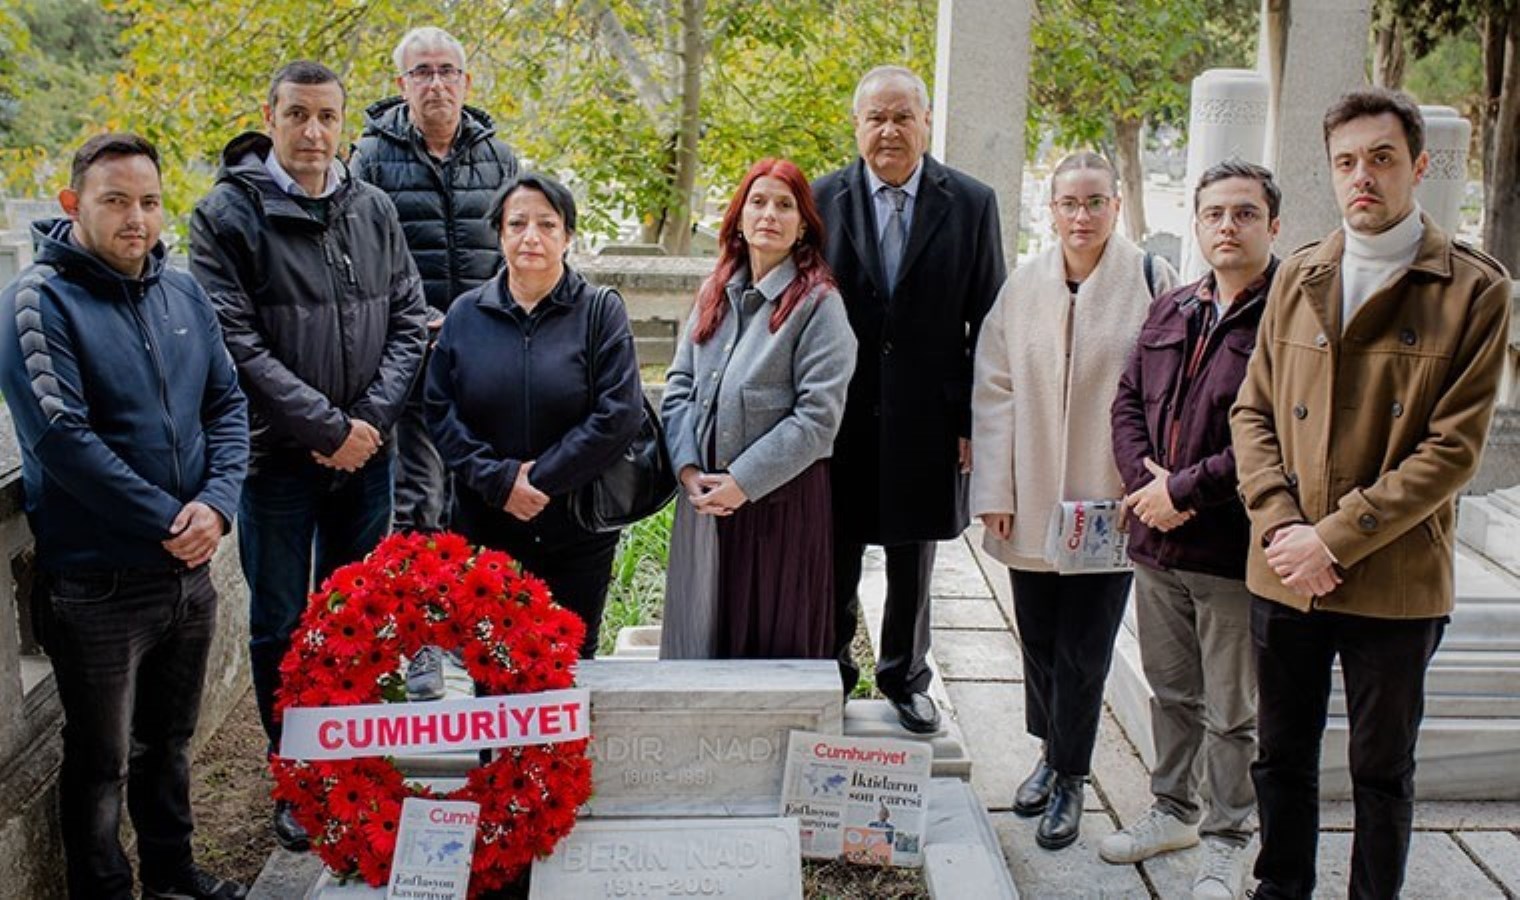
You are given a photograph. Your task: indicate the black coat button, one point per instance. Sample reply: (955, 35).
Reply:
(1300, 411)
(1292, 480)
(886, 348)
(1406, 337)
(1368, 521)
(1398, 409)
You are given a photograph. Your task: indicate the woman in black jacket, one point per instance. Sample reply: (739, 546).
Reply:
(523, 411)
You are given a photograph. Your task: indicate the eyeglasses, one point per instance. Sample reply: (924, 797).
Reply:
(425, 74)
(1242, 216)
(1068, 207)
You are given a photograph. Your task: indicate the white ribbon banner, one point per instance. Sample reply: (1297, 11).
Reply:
(440, 726)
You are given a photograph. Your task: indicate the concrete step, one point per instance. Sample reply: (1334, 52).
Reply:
(962, 857)
(1490, 524)
(877, 719)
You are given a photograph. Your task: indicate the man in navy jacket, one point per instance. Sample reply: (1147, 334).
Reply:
(134, 444)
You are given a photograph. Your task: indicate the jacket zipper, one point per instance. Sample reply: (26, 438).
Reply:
(528, 385)
(330, 254)
(137, 296)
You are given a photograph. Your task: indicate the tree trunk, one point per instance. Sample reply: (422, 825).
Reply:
(1495, 27)
(1388, 56)
(677, 236)
(1501, 207)
(1131, 176)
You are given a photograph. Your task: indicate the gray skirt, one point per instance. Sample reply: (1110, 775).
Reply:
(690, 623)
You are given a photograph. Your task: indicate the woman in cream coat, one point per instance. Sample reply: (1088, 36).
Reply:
(1047, 365)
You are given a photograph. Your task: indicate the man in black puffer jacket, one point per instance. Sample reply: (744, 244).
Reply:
(441, 163)
(322, 310)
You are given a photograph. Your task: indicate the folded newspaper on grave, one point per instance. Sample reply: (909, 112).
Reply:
(1084, 537)
(865, 800)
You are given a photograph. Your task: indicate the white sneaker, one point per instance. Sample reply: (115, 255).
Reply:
(1155, 832)
(1219, 875)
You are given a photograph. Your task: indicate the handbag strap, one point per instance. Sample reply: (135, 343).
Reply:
(594, 339)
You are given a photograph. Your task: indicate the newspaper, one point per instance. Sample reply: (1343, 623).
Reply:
(1084, 536)
(434, 846)
(863, 799)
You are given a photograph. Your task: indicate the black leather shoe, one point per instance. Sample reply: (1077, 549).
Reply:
(1034, 792)
(917, 713)
(288, 833)
(1063, 817)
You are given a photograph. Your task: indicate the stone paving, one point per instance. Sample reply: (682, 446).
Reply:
(1466, 850)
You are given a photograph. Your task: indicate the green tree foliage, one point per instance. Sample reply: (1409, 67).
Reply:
(1103, 68)
(1495, 26)
(593, 88)
(54, 55)
(14, 43)
(777, 79)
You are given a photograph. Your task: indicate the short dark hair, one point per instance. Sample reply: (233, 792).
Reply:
(304, 71)
(109, 146)
(1235, 167)
(1374, 102)
(558, 195)
(1085, 159)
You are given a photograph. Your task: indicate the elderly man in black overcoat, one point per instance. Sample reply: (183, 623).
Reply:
(917, 253)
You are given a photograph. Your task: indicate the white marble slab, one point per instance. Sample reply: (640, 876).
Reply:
(737, 859)
(962, 857)
(700, 738)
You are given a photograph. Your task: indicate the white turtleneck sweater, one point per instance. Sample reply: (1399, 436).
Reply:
(1372, 260)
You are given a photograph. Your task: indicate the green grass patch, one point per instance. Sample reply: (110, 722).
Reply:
(637, 593)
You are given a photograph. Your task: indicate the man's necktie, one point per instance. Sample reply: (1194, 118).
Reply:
(895, 237)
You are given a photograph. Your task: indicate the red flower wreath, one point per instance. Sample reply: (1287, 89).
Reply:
(414, 590)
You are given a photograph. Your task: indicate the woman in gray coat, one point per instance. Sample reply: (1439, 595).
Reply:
(752, 405)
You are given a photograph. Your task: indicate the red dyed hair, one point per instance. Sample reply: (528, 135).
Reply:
(812, 271)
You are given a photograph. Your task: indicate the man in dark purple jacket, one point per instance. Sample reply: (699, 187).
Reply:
(1171, 435)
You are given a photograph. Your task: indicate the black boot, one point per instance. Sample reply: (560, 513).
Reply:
(1034, 793)
(288, 833)
(1063, 817)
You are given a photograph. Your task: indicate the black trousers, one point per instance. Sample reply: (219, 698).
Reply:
(1383, 664)
(1067, 625)
(903, 667)
(576, 564)
(129, 654)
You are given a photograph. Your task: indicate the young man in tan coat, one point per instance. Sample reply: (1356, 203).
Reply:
(1363, 413)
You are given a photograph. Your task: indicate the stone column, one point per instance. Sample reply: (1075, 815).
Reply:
(1229, 119)
(1447, 136)
(981, 86)
(1314, 51)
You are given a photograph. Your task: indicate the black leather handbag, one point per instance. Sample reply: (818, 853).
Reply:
(640, 482)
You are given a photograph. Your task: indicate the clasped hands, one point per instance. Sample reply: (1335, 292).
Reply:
(712, 493)
(195, 534)
(1300, 558)
(363, 442)
(1152, 504)
(525, 501)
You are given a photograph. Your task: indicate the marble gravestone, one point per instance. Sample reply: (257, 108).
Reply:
(1441, 191)
(740, 859)
(700, 738)
(1228, 119)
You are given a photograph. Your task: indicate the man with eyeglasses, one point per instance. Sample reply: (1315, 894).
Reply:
(441, 163)
(1362, 414)
(1188, 532)
(322, 311)
(917, 253)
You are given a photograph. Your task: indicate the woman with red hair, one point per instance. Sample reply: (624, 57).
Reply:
(752, 403)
